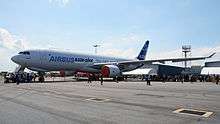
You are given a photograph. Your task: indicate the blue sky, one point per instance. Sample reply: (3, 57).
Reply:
(117, 25)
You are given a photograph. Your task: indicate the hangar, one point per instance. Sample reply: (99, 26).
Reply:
(212, 64)
(210, 71)
(157, 69)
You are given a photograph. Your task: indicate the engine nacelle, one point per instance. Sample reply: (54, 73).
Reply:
(110, 71)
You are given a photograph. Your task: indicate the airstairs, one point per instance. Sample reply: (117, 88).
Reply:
(19, 69)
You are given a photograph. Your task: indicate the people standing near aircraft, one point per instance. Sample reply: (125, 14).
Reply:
(5, 78)
(148, 80)
(182, 78)
(41, 79)
(101, 79)
(29, 78)
(34, 76)
(203, 78)
(217, 79)
(116, 79)
(163, 78)
(13, 78)
(191, 79)
(22, 77)
(89, 78)
(26, 78)
(17, 79)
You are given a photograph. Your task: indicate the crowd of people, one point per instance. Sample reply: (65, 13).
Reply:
(19, 77)
(31, 77)
(183, 78)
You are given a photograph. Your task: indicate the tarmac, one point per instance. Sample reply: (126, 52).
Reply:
(74, 102)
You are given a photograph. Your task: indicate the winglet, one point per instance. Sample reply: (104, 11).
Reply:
(211, 55)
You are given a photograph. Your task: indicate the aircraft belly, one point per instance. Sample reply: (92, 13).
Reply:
(85, 68)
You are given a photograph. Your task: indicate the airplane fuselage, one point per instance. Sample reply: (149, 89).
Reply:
(49, 60)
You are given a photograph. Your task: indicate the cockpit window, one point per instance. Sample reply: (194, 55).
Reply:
(24, 53)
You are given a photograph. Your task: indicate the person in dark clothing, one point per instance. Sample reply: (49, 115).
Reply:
(28, 78)
(34, 77)
(21, 78)
(116, 79)
(17, 79)
(101, 79)
(89, 78)
(163, 78)
(217, 79)
(31, 78)
(200, 78)
(182, 79)
(148, 80)
(5, 79)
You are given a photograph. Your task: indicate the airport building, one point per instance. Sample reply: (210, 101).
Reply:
(167, 70)
(162, 69)
(212, 64)
(211, 68)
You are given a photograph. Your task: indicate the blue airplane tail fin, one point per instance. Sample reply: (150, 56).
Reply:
(143, 52)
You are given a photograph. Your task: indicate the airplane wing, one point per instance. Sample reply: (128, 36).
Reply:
(154, 60)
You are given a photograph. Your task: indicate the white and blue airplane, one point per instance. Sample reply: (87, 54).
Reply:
(51, 60)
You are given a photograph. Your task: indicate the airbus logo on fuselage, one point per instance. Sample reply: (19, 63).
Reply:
(69, 59)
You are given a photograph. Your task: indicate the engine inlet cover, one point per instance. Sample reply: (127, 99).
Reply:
(110, 71)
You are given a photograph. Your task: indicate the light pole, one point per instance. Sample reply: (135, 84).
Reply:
(186, 49)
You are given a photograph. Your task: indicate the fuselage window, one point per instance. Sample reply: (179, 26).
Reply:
(24, 53)
(27, 53)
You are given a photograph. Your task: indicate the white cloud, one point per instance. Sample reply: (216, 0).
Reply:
(9, 41)
(61, 3)
(9, 45)
(5, 62)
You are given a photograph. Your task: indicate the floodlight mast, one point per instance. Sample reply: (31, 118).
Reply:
(186, 49)
(96, 47)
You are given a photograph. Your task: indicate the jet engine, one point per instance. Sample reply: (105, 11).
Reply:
(110, 71)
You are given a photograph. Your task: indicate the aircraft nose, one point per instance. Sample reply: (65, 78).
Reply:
(15, 59)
